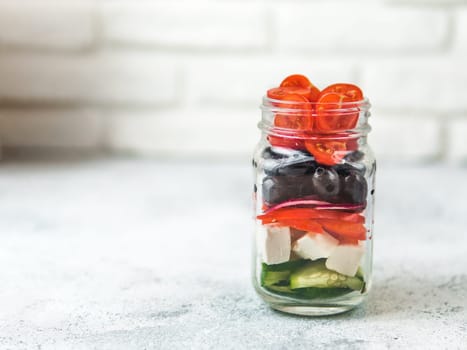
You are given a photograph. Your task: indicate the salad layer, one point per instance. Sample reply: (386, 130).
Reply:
(312, 229)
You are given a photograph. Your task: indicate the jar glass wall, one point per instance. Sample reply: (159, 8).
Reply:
(314, 197)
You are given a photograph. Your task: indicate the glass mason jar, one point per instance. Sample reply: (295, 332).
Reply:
(313, 200)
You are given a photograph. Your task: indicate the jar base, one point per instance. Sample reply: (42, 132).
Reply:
(312, 310)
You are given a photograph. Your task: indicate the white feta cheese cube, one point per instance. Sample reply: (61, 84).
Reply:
(345, 259)
(274, 244)
(315, 245)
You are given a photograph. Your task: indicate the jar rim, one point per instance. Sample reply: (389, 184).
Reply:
(271, 104)
(271, 107)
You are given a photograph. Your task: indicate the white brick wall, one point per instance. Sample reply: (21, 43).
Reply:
(203, 132)
(243, 80)
(406, 137)
(429, 2)
(47, 25)
(185, 24)
(457, 142)
(101, 78)
(57, 127)
(371, 27)
(185, 78)
(437, 85)
(460, 34)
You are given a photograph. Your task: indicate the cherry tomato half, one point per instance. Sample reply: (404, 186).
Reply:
(353, 92)
(351, 143)
(333, 115)
(280, 92)
(298, 80)
(327, 152)
(300, 120)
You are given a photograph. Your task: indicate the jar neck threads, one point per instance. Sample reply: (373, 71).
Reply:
(313, 121)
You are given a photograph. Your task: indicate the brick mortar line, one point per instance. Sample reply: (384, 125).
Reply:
(97, 25)
(152, 47)
(212, 53)
(271, 28)
(6, 104)
(181, 105)
(427, 4)
(451, 32)
(7, 48)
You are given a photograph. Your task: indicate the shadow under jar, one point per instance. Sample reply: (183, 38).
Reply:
(314, 197)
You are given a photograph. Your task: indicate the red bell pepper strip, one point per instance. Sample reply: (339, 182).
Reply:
(347, 227)
(344, 230)
(282, 214)
(304, 225)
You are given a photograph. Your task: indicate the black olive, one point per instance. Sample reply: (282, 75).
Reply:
(287, 162)
(346, 169)
(276, 189)
(326, 183)
(355, 188)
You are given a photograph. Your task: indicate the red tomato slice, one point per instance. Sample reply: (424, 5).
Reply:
(279, 93)
(298, 80)
(344, 230)
(327, 152)
(333, 114)
(351, 143)
(353, 92)
(304, 225)
(300, 120)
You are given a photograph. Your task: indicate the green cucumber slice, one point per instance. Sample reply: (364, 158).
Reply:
(315, 274)
(289, 265)
(355, 283)
(323, 293)
(309, 293)
(359, 273)
(268, 278)
(279, 273)
(280, 290)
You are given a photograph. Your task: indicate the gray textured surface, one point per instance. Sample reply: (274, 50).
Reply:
(121, 254)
